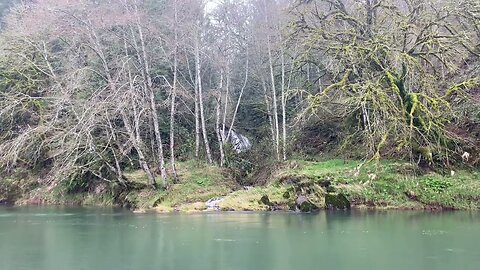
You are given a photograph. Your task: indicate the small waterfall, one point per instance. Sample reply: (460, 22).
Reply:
(213, 204)
(239, 142)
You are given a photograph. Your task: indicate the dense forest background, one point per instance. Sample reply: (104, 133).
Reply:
(91, 89)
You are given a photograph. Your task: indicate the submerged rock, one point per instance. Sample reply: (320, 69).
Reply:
(336, 201)
(3, 201)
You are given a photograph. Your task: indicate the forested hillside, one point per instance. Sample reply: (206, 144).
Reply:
(92, 90)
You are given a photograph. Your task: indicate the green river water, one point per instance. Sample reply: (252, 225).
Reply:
(115, 239)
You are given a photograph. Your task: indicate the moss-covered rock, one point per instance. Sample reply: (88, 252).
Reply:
(336, 201)
(303, 204)
(265, 200)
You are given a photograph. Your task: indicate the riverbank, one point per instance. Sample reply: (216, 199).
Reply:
(295, 185)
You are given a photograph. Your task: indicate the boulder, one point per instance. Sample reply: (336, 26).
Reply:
(336, 201)
(325, 183)
(265, 200)
(304, 205)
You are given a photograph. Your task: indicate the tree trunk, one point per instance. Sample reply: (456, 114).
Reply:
(269, 111)
(200, 99)
(219, 136)
(118, 169)
(197, 117)
(173, 97)
(217, 122)
(274, 98)
(225, 109)
(284, 117)
(153, 108)
(135, 136)
(239, 98)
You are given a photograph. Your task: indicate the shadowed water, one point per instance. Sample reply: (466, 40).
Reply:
(64, 238)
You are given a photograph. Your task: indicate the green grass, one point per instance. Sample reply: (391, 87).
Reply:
(391, 184)
(249, 200)
(387, 184)
(197, 182)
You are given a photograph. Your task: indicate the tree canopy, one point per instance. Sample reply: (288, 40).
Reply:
(89, 89)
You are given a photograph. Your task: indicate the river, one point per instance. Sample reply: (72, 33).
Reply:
(114, 239)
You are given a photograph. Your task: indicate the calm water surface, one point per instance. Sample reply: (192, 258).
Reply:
(104, 239)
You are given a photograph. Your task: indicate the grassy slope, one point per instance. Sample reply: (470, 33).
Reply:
(198, 182)
(250, 200)
(388, 184)
(394, 184)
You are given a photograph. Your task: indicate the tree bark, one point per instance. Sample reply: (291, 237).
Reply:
(239, 98)
(197, 116)
(225, 109)
(284, 117)
(135, 135)
(269, 111)
(154, 113)
(217, 122)
(118, 169)
(200, 98)
(173, 96)
(274, 98)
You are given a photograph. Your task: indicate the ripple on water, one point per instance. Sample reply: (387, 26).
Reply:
(224, 240)
(37, 215)
(433, 232)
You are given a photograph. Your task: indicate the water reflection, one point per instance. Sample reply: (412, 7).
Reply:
(65, 238)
